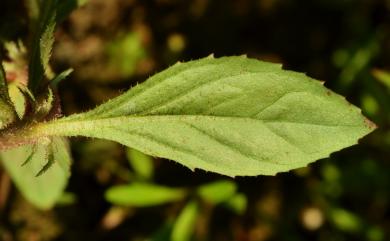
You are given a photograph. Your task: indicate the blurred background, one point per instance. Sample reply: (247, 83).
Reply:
(115, 44)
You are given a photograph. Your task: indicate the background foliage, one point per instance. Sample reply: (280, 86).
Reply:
(115, 44)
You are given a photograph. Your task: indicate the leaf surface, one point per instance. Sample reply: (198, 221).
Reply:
(237, 203)
(142, 164)
(7, 112)
(217, 192)
(143, 194)
(42, 45)
(18, 99)
(3, 83)
(231, 115)
(185, 223)
(382, 76)
(25, 162)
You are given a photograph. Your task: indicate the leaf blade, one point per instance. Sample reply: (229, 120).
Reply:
(232, 115)
(142, 164)
(45, 190)
(3, 82)
(184, 225)
(42, 45)
(218, 191)
(143, 194)
(7, 112)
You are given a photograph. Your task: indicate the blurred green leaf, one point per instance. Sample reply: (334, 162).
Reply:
(42, 191)
(32, 7)
(141, 163)
(237, 203)
(345, 221)
(382, 76)
(217, 192)
(331, 173)
(163, 233)
(358, 60)
(125, 53)
(143, 194)
(185, 223)
(67, 198)
(375, 234)
(194, 112)
(369, 105)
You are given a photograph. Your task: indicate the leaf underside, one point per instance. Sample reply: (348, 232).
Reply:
(230, 115)
(28, 168)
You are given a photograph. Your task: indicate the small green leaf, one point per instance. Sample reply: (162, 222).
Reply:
(7, 113)
(185, 223)
(231, 115)
(42, 191)
(141, 163)
(143, 194)
(46, 104)
(3, 83)
(125, 53)
(63, 75)
(46, 45)
(345, 220)
(42, 45)
(18, 99)
(237, 203)
(163, 233)
(66, 199)
(217, 192)
(382, 76)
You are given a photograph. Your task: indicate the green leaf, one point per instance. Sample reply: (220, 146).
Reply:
(185, 223)
(141, 163)
(125, 53)
(44, 190)
(46, 45)
(217, 192)
(46, 104)
(3, 83)
(163, 233)
(143, 194)
(66, 199)
(231, 115)
(237, 203)
(382, 76)
(63, 75)
(345, 220)
(7, 113)
(18, 99)
(42, 45)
